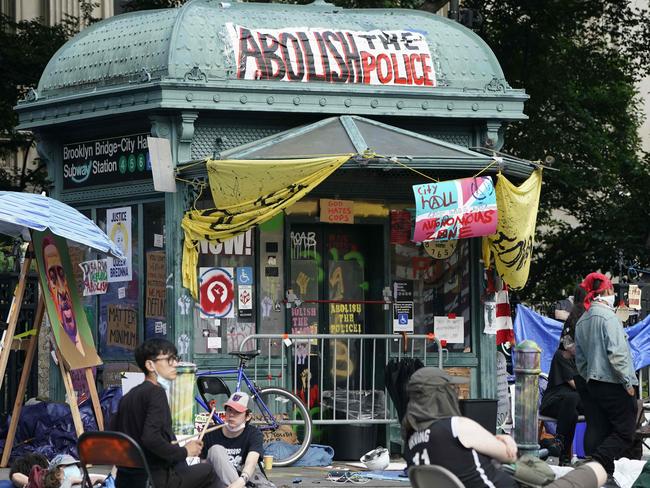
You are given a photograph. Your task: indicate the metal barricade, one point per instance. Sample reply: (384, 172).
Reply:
(362, 354)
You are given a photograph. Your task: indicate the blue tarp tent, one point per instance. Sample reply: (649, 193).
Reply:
(546, 333)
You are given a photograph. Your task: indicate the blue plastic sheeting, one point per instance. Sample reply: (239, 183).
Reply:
(639, 338)
(544, 331)
(47, 428)
(316, 455)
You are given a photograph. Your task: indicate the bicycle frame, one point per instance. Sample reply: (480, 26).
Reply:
(241, 376)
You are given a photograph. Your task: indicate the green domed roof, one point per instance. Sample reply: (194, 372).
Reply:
(191, 44)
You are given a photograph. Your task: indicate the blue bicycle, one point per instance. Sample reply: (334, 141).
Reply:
(278, 413)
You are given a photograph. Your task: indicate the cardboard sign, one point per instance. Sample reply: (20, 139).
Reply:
(336, 211)
(450, 330)
(95, 277)
(455, 209)
(312, 54)
(118, 223)
(122, 327)
(217, 292)
(634, 297)
(156, 295)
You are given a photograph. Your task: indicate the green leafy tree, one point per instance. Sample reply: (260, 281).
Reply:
(579, 61)
(25, 49)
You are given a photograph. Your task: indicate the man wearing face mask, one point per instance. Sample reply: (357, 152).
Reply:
(144, 415)
(604, 360)
(234, 451)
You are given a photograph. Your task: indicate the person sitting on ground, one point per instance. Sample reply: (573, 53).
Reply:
(235, 450)
(561, 400)
(434, 432)
(22, 466)
(144, 415)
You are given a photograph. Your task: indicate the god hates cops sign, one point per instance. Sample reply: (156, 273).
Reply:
(304, 54)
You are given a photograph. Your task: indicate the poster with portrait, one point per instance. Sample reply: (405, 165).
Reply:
(118, 228)
(64, 307)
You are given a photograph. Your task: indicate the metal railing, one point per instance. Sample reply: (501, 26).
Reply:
(361, 356)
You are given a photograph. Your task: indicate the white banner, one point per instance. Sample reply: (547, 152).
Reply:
(118, 228)
(304, 54)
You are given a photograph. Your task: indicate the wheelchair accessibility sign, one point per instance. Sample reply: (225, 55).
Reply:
(403, 317)
(244, 275)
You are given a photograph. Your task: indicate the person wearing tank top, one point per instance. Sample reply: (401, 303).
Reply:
(435, 433)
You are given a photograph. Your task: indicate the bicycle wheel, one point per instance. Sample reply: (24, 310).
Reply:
(289, 421)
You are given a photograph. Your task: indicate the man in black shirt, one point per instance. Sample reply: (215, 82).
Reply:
(144, 415)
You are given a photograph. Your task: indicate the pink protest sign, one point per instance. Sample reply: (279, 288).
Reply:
(455, 209)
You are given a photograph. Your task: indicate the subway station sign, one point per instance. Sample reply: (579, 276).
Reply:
(302, 54)
(105, 161)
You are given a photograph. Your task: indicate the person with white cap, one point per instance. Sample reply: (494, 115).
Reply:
(235, 451)
(435, 432)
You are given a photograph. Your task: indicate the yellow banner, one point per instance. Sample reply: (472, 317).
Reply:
(512, 245)
(247, 193)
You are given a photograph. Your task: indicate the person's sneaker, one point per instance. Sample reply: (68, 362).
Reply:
(582, 461)
(611, 483)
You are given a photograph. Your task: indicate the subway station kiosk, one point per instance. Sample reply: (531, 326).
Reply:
(409, 95)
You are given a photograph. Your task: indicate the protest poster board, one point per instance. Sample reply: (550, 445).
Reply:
(118, 228)
(455, 209)
(95, 277)
(67, 316)
(305, 54)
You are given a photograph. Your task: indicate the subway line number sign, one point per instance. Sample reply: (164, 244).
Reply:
(301, 54)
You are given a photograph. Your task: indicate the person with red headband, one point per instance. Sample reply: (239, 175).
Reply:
(604, 360)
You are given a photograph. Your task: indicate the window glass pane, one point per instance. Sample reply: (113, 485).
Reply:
(440, 286)
(227, 314)
(119, 317)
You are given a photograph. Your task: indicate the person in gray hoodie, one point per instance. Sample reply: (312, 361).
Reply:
(604, 360)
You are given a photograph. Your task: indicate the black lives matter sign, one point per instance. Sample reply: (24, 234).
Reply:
(105, 161)
(301, 54)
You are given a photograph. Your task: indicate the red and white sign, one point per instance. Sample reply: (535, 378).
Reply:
(303, 54)
(217, 292)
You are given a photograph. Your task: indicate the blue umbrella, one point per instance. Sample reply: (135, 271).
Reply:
(22, 211)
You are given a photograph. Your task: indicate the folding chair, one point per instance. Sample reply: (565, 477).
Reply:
(111, 448)
(210, 387)
(428, 476)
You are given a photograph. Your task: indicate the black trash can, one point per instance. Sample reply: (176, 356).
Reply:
(351, 441)
(481, 410)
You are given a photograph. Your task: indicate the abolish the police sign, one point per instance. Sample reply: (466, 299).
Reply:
(304, 54)
(106, 161)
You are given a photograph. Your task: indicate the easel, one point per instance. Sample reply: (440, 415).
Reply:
(8, 345)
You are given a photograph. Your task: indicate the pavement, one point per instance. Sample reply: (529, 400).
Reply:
(298, 477)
